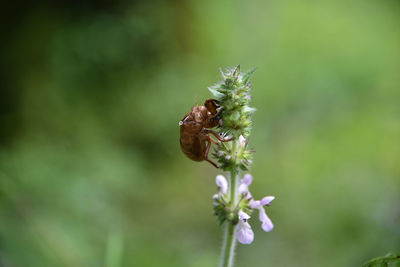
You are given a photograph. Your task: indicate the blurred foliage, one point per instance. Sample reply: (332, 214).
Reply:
(389, 260)
(91, 173)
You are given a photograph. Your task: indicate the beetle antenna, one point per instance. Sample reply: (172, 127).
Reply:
(195, 98)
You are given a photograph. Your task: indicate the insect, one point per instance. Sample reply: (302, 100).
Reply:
(195, 130)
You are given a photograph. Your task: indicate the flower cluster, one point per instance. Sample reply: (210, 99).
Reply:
(233, 95)
(240, 214)
(234, 98)
(234, 155)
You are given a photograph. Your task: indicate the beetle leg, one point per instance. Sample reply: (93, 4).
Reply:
(218, 136)
(212, 140)
(206, 153)
(215, 165)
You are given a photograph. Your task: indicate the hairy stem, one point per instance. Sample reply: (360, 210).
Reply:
(228, 249)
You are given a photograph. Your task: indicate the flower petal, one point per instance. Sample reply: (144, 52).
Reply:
(247, 179)
(243, 215)
(254, 204)
(222, 183)
(267, 224)
(244, 234)
(266, 200)
(243, 189)
(249, 196)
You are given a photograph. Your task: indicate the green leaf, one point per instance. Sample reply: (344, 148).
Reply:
(247, 75)
(215, 92)
(236, 71)
(222, 73)
(248, 109)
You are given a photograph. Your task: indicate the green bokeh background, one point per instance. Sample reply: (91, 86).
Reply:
(91, 173)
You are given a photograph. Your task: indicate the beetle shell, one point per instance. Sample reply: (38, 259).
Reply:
(193, 142)
(195, 131)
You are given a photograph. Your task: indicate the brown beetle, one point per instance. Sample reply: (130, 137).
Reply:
(195, 131)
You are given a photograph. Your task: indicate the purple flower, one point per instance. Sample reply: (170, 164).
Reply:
(267, 224)
(244, 234)
(222, 184)
(244, 184)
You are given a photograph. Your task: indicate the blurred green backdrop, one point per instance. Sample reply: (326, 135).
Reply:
(91, 173)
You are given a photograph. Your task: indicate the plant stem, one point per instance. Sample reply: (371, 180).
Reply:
(228, 249)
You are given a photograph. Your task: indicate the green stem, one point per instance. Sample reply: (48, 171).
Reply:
(228, 248)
